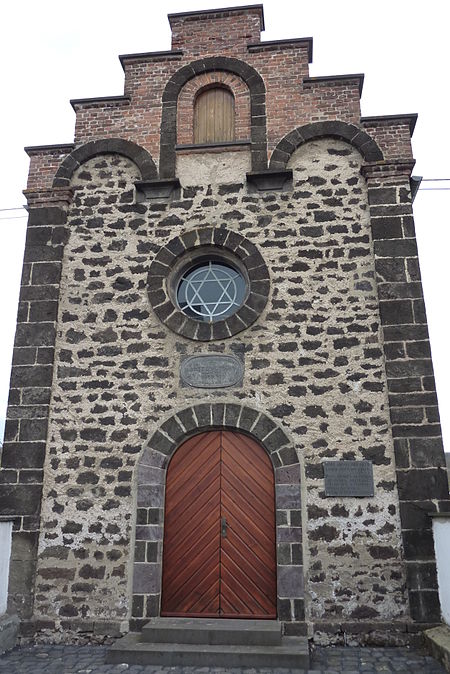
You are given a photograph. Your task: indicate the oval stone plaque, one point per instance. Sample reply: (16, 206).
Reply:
(211, 371)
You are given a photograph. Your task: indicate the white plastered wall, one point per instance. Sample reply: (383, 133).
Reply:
(441, 533)
(5, 554)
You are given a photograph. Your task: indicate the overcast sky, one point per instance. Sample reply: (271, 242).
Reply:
(52, 51)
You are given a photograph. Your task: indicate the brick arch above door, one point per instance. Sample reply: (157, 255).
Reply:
(150, 481)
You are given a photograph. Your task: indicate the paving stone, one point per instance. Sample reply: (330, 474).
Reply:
(61, 659)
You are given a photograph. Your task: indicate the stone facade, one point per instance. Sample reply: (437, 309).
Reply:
(315, 204)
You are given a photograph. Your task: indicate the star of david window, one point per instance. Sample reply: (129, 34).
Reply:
(211, 291)
(209, 283)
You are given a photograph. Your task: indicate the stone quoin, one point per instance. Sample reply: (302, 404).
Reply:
(295, 243)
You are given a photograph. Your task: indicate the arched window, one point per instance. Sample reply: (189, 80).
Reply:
(214, 116)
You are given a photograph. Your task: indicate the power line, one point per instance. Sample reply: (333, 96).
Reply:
(424, 180)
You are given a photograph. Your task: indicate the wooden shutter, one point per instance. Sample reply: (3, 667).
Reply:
(214, 116)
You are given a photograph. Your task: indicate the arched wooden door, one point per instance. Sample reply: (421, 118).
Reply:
(219, 530)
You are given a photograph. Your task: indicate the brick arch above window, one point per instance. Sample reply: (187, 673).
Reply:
(193, 88)
(258, 126)
(336, 129)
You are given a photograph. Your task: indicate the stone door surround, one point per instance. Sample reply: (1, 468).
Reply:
(151, 478)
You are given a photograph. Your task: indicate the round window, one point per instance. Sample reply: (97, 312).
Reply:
(208, 283)
(211, 291)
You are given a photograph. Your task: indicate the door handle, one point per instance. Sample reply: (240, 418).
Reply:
(223, 527)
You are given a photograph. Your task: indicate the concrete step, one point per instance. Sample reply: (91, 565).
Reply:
(438, 641)
(213, 632)
(293, 654)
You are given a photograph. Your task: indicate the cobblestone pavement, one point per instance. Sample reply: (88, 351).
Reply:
(90, 660)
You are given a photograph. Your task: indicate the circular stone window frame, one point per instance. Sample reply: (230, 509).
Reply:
(220, 244)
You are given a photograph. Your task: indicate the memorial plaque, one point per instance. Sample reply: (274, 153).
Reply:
(211, 371)
(348, 478)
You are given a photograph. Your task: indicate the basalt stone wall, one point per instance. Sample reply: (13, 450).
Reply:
(355, 565)
(420, 461)
(313, 363)
(24, 446)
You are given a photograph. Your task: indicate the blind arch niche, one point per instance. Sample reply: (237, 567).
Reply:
(214, 116)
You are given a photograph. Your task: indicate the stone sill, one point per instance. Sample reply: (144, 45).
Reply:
(270, 179)
(388, 168)
(201, 148)
(156, 189)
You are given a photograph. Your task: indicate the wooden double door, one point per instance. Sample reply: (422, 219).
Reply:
(219, 530)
